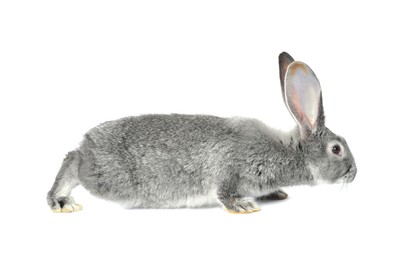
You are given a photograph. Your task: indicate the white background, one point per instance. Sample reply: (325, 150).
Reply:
(66, 66)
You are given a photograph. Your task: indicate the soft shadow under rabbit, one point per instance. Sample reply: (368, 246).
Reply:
(171, 161)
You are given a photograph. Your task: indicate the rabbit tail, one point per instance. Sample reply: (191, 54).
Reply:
(59, 198)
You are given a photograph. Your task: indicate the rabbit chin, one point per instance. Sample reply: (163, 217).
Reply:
(317, 178)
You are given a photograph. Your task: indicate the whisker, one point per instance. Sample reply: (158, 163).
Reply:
(342, 185)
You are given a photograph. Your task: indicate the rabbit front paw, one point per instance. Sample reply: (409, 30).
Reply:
(276, 195)
(240, 205)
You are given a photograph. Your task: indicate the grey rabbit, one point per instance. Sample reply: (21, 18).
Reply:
(173, 161)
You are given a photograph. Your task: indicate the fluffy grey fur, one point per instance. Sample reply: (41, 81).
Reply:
(170, 161)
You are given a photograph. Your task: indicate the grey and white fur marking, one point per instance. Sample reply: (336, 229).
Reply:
(172, 161)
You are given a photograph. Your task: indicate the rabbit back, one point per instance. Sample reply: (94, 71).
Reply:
(155, 160)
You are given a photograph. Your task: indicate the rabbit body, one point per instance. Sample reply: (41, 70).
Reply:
(172, 161)
(168, 161)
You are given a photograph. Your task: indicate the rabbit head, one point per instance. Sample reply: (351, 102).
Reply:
(327, 155)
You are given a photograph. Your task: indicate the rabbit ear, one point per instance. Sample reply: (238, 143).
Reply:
(303, 98)
(284, 59)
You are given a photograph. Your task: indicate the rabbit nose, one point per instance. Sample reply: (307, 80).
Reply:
(352, 173)
(353, 169)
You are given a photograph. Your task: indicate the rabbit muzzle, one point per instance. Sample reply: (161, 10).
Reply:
(350, 175)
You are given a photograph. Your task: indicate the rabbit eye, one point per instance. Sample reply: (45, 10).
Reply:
(336, 149)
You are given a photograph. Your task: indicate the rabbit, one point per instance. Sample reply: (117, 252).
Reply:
(174, 161)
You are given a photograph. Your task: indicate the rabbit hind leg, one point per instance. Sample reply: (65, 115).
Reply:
(58, 197)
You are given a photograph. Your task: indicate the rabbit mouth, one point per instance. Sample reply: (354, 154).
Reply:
(348, 176)
(345, 177)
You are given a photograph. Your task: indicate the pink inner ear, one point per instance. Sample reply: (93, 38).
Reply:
(297, 108)
(303, 94)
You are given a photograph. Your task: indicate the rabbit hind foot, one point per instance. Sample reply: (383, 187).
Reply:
(65, 205)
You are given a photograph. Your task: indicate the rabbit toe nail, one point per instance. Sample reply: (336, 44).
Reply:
(78, 207)
(68, 208)
(242, 212)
